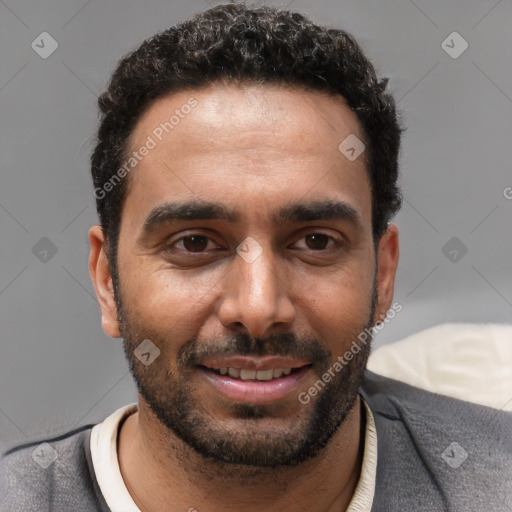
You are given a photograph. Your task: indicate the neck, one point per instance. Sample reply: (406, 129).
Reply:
(162, 472)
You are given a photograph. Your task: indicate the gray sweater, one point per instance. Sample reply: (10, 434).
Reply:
(434, 454)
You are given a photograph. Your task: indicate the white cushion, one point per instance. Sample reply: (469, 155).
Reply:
(471, 362)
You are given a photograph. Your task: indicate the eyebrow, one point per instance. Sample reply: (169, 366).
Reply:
(205, 210)
(318, 210)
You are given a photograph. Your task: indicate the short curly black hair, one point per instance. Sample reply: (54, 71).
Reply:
(240, 43)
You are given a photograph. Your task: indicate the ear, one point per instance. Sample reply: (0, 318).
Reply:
(386, 271)
(99, 270)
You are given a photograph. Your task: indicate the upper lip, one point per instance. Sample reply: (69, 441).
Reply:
(253, 363)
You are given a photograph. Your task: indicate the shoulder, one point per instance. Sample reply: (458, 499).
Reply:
(54, 474)
(437, 449)
(397, 399)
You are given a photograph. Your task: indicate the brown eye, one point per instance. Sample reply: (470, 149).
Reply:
(195, 243)
(317, 241)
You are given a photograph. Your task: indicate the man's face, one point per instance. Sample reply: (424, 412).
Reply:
(246, 244)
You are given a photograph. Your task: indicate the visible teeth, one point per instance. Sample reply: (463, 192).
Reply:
(234, 372)
(237, 373)
(277, 372)
(265, 374)
(247, 374)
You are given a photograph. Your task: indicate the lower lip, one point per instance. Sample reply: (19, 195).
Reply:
(255, 391)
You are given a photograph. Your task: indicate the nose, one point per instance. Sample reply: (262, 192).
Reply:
(255, 298)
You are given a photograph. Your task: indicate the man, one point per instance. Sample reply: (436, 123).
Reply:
(245, 175)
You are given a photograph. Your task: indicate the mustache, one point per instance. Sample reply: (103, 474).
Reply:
(286, 344)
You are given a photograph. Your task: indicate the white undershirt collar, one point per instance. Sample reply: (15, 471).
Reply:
(106, 464)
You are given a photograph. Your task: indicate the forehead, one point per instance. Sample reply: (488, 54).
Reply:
(213, 114)
(247, 144)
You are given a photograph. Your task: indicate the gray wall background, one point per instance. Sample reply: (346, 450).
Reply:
(58, 370)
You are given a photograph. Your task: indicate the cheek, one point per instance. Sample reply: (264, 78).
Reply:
(339, 306)
(169, 304)
(342, 307)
